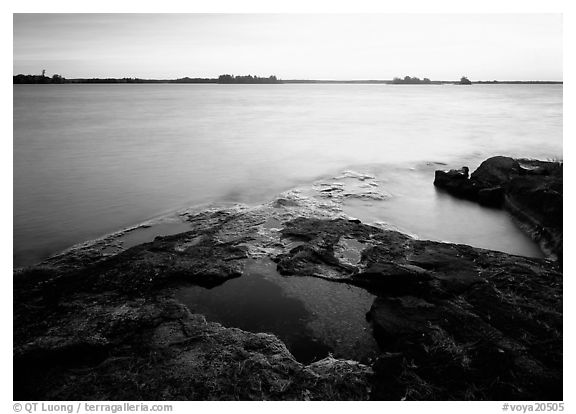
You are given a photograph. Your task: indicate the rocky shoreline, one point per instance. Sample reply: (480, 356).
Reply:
(531, 190)
(451, 321)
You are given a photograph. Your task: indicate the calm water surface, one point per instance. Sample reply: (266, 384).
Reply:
(90, 159)
(313, 317)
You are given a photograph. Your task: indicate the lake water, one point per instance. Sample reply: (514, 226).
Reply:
(91, 159)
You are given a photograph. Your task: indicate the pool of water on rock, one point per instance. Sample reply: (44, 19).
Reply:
(313, 317)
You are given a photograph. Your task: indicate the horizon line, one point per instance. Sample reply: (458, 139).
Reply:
(289, 80)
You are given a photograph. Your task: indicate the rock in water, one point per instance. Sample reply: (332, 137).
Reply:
(457, 183)
(529, 189)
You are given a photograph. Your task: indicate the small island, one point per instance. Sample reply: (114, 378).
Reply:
(407, 80)
(247, 79)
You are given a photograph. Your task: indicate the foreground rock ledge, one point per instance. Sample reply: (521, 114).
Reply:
(452, 321)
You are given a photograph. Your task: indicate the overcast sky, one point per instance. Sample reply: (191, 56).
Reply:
(291, 46)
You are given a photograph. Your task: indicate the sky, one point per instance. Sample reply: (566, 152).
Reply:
(291, 46)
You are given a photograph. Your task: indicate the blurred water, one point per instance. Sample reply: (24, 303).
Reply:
(90, 159)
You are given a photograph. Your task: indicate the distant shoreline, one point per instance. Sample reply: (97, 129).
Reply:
(389, 82)
(37, 79)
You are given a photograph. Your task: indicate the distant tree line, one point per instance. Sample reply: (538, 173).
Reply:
(38, 79)
(192, 80)
(247, 79)
(60, 79)
(107, 80)
(520, 82)
(231, 79)
(407, 80)
(17, 79)
(138, 80)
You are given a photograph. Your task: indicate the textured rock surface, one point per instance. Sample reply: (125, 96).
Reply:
(110, 348)
(452, 321)
(466, 322)
(529, 189)
(108, 328)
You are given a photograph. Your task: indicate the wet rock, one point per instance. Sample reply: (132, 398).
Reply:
(456, 182)
(401, 322)
(356, 187)
(109, 329)
(495, 171)
(492, 197)
(317, 255)
(390, 363)
(392, 278)
(186, 257)
(284, 202)
(529, 189)
(173, 356)
(452, 321)
(355, 175)
(462, 316)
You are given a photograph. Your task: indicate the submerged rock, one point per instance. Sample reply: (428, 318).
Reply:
(530, 190)
(351, 185)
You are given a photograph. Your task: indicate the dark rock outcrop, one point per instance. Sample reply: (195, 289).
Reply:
(112, 331)
(456, 182)
(451, 321)
(110, 348)
(468, 323)
(530, 190)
